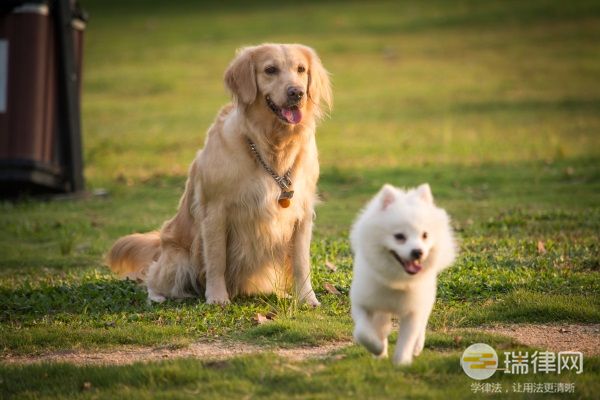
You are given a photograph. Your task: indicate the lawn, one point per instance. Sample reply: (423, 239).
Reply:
(496, 104)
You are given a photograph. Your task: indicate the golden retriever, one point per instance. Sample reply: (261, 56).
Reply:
(237, 231)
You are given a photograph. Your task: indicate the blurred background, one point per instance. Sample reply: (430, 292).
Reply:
(421, 88)
(415, 83)
(495, 103)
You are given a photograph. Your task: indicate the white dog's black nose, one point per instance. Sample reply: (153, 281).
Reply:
(416, 254)
(295, 93)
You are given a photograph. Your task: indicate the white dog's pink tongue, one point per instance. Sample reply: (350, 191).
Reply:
(412, 267)
(292, 115)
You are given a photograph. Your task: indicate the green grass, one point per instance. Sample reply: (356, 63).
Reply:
(348, 374)
(496, 104)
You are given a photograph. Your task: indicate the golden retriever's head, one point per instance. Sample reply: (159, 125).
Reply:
(287, 81)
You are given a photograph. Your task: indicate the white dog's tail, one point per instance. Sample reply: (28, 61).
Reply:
(131, 255)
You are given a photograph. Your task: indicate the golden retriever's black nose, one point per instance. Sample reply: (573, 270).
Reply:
(294, 93)
(416, 254)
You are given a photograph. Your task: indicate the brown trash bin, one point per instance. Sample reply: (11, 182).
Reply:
(34, 157)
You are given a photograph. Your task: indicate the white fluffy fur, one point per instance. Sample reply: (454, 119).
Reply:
(381, 287)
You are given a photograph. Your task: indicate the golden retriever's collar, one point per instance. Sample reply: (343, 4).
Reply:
(284, 181)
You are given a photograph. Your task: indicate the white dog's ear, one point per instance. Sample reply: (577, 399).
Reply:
(319, 86)
(240, 77)
(387, 195)
(424, 193)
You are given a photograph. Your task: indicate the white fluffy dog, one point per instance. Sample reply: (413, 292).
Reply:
(401, 241)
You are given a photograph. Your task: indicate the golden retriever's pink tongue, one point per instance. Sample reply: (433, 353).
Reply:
(292, 115)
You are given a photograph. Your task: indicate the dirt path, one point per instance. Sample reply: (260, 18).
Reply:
(213, 351)
(584, 338)
(553, 337)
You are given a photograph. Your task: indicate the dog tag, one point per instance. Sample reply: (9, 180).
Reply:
(285, 199)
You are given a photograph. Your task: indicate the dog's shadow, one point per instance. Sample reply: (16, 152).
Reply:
(101, 297)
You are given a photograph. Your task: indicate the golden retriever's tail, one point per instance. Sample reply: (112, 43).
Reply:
(131, 255)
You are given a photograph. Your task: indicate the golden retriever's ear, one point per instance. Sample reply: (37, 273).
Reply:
(240, 76)
(319, 86)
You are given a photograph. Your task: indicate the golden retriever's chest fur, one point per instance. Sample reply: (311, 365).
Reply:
(259, 215)
(255, 220)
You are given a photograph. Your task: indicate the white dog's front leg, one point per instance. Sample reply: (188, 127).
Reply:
(366, 333)
(214, 241)
(421, 319)
(408, 334)
(301, 260)
(420, 343)
(382, 322)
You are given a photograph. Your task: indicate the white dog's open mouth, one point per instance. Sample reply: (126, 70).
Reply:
(410, 266)
(290, 115)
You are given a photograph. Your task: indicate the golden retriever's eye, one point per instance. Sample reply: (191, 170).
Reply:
(425, 236)
(271, 70)
(301, 69)
(400, 237)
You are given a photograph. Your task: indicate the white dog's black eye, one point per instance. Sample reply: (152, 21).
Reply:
(301, 69)
(271, 70)
(425, 236)
(400, 237)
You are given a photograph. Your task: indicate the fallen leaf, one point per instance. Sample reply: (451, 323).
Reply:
(271, 315)
(260, 319)
(218, 364)
(330, 266)
(331, 289)
(570, 171)
(297, 369)
(100, 192)
(541, 249)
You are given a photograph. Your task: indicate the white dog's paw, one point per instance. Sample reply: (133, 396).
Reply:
(419, 345)
(402, 360)
(418, 349)
(371, 343)
(383, 355)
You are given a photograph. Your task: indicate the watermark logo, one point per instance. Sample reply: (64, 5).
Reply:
(479, 361)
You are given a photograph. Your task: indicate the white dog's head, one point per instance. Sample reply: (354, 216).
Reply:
(407, 230)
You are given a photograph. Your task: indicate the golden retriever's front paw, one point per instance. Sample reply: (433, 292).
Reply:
(311, 300)
(222, 301)
(220, 297)
(371, 342)
(155, 297)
